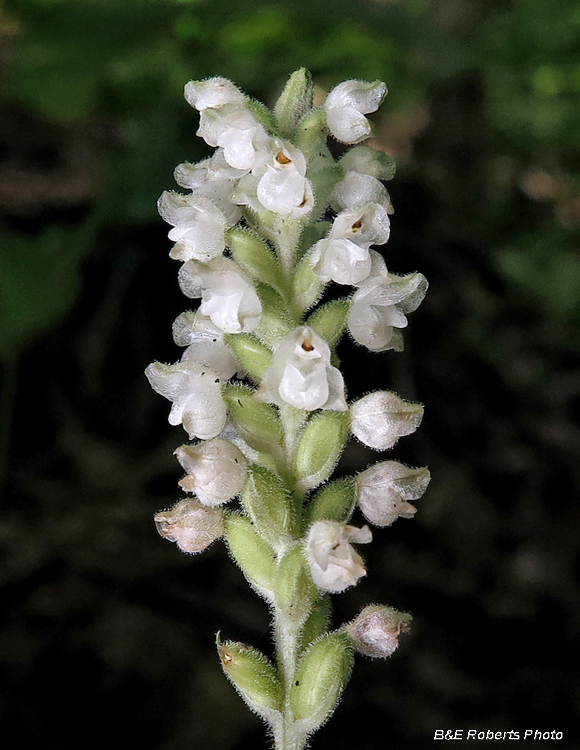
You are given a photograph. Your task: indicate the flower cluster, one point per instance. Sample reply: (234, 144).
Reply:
(258, 389)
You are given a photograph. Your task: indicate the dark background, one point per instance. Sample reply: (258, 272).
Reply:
(108, 631)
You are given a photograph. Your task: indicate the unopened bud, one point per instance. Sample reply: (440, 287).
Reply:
(191, 525)
(295, 590)
(333, 502)
(253, 255)
(253, 676)
(254, 357)
(383, 491)
(295, 100)
(329, 321)
(381, 418)
(376, 630)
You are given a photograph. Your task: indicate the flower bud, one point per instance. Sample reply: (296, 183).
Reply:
(383, 490)
(375, 631)
(253, 555)
(321, 676)
(381, 418)
(216, 470)
(254, 677)
(294, 102)
(319, 448)
(269, 505)
(307, 286)
(334, 564)
(190, 524)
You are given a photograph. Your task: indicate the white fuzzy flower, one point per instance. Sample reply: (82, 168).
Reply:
(301, 374)
(278, 182)
(235, 129)
(212, 93)
(379, 305)
(376, 630)
(227, 297)
(191, 525)
(383, 491)
(196, 394)
(346, 107)
(216, 470)
(199, 226)
(231, 433)
(214, 179)
(381, 418)
(344, 255)
(205, 344)
(334, 564)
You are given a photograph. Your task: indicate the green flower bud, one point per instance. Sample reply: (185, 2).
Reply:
(294, 102)
(253, 676)
(333, 502)
(294, 588)
(253, 255)
(321, 676)
(253, 555)
(257, 423)
(330, 320)
(317, 622)
(311, 133)
(319, 448)
(276, 320)
(269, 505)
(254, 357)
(308, 287)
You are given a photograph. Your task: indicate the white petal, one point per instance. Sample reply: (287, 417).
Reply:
(214, 92)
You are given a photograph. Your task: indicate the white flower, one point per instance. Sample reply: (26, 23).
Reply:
(376, 630)
(235, 129)
(381, 418)
(301, 374)
(357, 189)
(344, 255)
(383, 491)
(211, 93)
(192, 525)
(196, 394)
(346, 106)
(216, 470)
(379, 305)
(205, 344)
(369, 161)
(278, 182)
(227, 297)
(214, 179)
(231, 433)
(199, 226)
(334, 564)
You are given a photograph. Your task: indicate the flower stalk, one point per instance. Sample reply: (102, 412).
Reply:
(257, 388)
